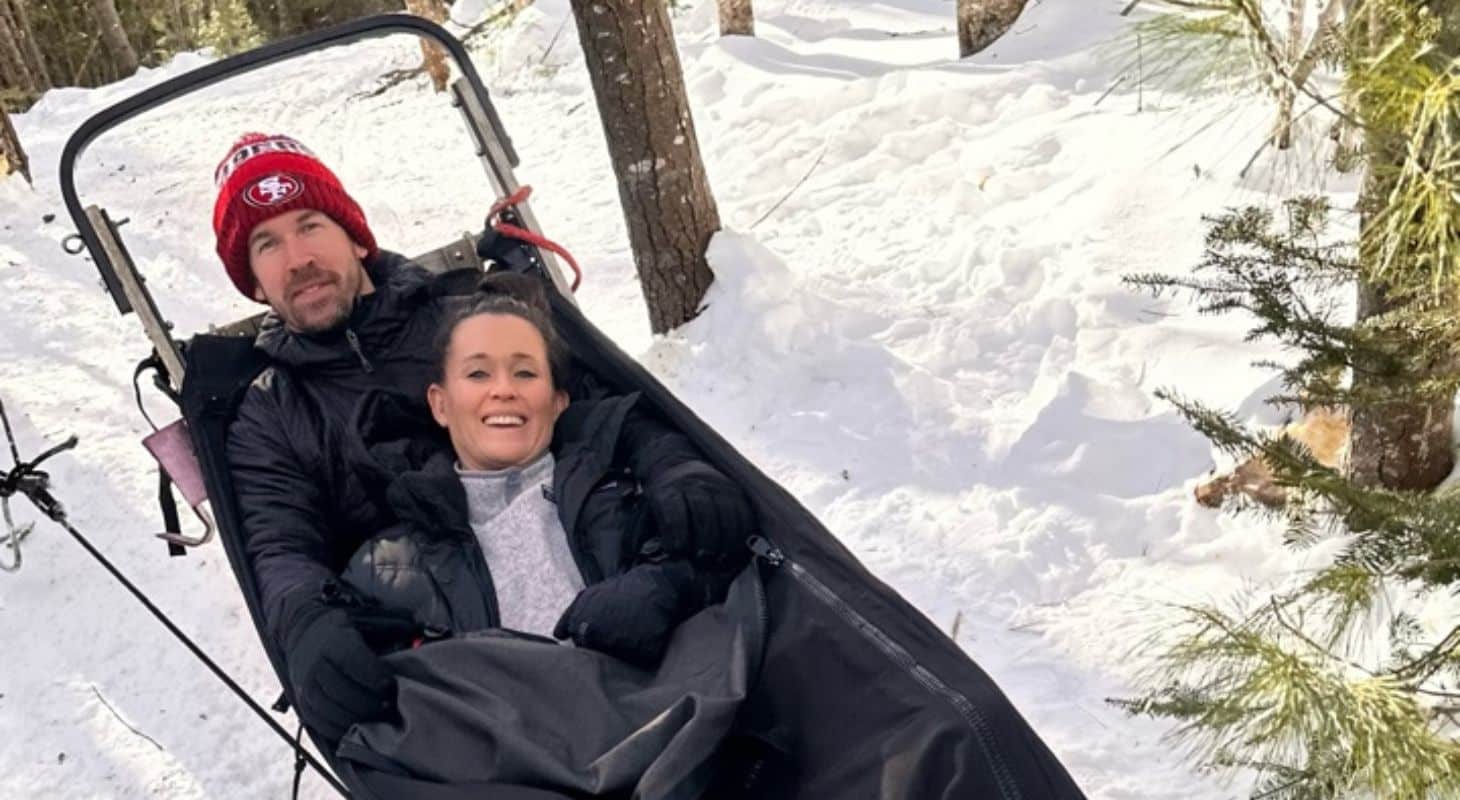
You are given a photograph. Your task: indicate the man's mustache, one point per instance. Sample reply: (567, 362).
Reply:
(306, 277)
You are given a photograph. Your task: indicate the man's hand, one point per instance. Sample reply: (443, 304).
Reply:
(338, 679)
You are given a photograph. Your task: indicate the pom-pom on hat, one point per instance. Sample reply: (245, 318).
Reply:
(263, 176)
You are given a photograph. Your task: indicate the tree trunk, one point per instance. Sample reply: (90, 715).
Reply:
(629, 47)
(1287, 90)
(982, 22)
(12, 156)
(115, 36)
(1398, 445)
(30, 49)
(12, 63)
(737, 18)
(433, 58)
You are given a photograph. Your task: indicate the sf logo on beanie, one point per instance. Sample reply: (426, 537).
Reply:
(272, 190)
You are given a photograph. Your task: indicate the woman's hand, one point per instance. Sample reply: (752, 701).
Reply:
(631, 616)
(701, 514)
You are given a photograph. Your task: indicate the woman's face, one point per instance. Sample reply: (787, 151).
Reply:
(496, 396)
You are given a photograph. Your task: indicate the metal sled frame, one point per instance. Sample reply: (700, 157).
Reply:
(834, 622)
(120, 275)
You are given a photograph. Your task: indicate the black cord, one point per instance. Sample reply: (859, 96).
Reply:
(37, 492)
(203, 657)
(299, 761)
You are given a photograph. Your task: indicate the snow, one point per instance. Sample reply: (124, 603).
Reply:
(917, 326)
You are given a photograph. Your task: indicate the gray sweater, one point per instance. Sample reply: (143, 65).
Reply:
(523, 541)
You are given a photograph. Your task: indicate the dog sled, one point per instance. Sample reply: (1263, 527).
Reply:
(850, 691)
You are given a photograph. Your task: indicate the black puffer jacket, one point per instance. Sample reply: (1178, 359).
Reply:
(608, 454)
(304, 511)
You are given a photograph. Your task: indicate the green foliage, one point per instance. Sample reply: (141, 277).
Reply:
(229, 28)
(68, 37)
(1402, 535)
(1254, 689)
(1333, 689)
(1416, 229)
(1232, 45)
(1189, 52)
(1325, 691)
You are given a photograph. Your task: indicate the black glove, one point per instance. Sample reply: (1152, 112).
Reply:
(702, 515)
(631, 616)
(338, 679)
(388, 629)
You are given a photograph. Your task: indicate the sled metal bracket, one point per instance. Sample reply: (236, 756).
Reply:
(128, 290)
(497, 160)
(183, 540)
(172, 448)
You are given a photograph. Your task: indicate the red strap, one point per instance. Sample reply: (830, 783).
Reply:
(524, 235)
(523, 192)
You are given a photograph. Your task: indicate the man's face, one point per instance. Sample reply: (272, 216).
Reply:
(307, 269)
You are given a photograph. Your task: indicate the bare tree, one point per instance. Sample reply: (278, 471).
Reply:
(737, 18)
(982, 22)
(283, 18)
(1289, 56)
(671, 214)
(115, 36)
(35, 62)
(12, 156)
(432, 56)
(13, 70)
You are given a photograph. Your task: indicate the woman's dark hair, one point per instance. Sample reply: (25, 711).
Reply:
(514, 295)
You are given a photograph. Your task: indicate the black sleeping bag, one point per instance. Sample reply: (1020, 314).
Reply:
(850, 693)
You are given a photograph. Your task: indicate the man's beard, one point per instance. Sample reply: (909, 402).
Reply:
(317, 319)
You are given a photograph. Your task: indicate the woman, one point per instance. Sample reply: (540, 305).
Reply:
(588, 521)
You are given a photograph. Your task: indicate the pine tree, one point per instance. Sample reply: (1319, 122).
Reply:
(1329, 689)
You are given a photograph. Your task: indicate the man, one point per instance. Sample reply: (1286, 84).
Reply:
(346, 317)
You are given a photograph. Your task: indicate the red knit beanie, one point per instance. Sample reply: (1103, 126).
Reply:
(264, 176)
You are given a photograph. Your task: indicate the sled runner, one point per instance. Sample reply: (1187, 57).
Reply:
(848, 691)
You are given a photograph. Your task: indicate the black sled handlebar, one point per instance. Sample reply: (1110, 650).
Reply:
(348, 33)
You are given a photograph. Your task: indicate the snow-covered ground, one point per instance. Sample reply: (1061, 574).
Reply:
(927, 341)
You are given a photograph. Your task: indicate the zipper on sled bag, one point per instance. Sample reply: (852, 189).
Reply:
(772, 555)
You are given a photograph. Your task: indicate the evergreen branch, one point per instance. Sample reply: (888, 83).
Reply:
(1282, 621)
